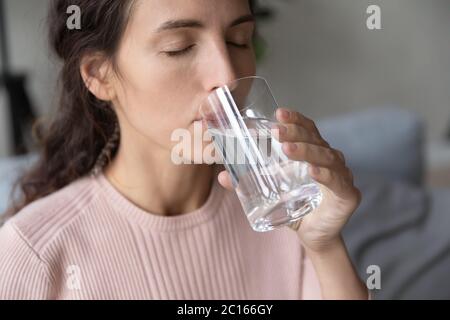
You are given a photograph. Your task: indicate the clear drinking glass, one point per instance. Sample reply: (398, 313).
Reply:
(274, 191)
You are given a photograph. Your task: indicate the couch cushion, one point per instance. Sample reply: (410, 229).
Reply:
(381, 141)
(10, 169)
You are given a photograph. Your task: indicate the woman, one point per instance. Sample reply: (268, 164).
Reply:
(140, 226)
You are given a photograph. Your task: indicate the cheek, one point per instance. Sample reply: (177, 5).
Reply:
(159, 95)
(156, 101)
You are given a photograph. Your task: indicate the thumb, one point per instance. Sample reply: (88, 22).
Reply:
(225, 180)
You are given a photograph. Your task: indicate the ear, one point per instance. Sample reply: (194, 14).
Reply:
(97, 75)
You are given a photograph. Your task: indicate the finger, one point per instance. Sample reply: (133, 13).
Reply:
(341, 156)
(339, 182)
(295, 133)
(285, 115)
(225, 180)
(316, 155)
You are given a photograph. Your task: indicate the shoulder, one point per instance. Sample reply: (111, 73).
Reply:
(41, 221)
(25, 273)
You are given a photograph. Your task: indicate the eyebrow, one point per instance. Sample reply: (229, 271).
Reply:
(189, 23)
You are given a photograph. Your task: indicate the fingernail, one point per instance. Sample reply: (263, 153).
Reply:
(315, 170)
(281, 129)
(285, 113)
(291, 146)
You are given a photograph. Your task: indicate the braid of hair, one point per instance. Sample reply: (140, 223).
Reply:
(105, 156)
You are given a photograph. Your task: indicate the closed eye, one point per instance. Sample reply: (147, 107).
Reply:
(187, 49)
(237, 45)
(179, 52)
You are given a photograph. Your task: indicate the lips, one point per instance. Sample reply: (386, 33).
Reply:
(208, 117)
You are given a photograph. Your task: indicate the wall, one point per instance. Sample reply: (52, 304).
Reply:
(322, 59)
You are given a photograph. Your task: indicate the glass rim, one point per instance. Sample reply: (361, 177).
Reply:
(235, 81)
(232, 82)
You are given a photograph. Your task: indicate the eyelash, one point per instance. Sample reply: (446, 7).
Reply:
(174, 54)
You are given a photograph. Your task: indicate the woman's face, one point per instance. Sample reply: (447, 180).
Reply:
(172, 55)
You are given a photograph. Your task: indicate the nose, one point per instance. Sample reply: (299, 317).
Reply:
(221, 68)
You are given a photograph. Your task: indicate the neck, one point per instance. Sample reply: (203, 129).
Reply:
(152, 182)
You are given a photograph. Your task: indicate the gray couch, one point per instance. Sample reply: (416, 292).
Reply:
(400, 225)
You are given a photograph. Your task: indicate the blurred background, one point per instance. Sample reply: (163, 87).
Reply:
(381, 96)
(320, 59)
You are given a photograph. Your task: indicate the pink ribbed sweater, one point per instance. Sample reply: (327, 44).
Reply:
(87, 241)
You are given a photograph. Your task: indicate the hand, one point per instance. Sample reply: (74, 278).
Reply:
(301, 141)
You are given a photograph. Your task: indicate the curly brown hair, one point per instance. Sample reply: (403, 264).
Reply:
(78, 138)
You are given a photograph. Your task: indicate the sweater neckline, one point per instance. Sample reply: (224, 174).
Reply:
(150, 220)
